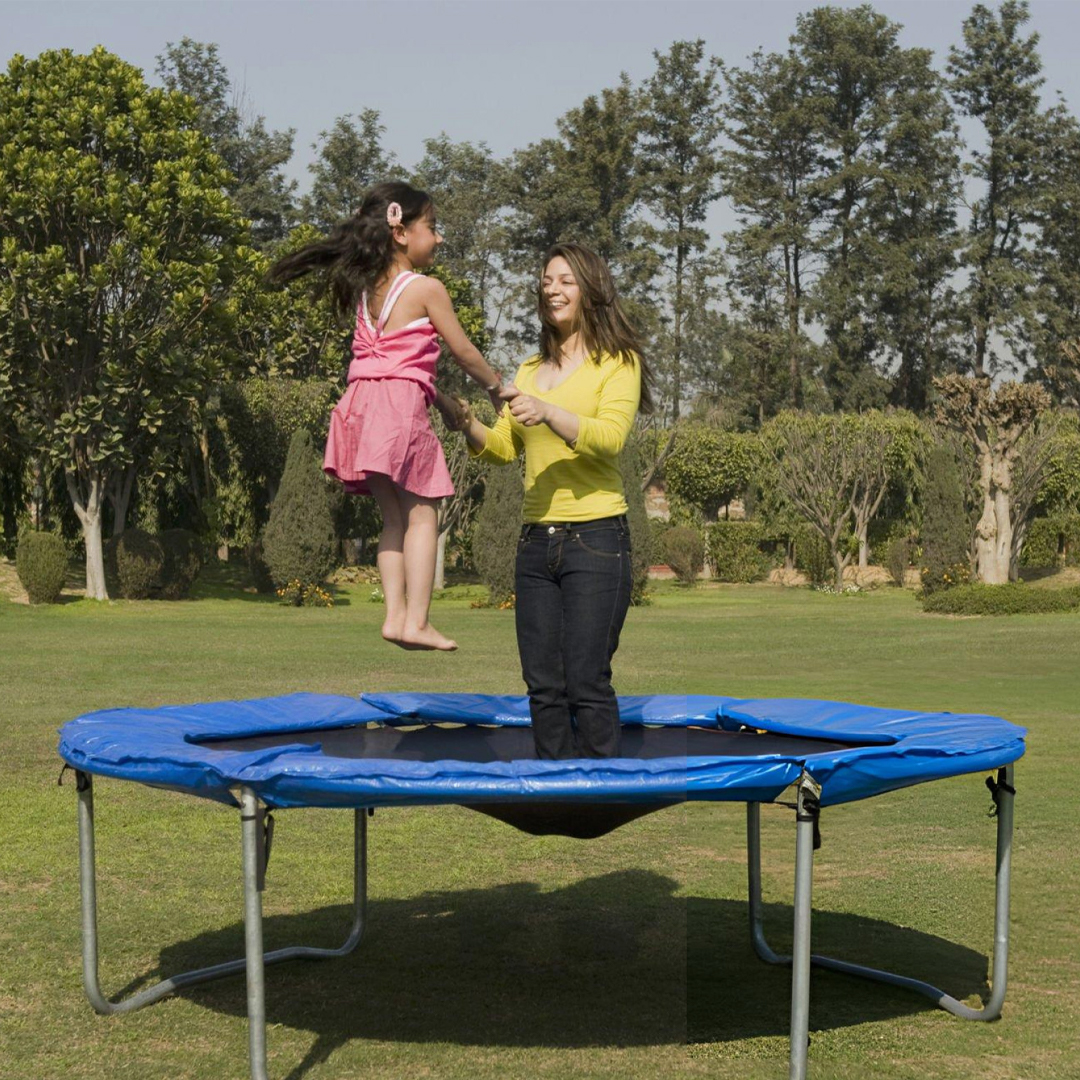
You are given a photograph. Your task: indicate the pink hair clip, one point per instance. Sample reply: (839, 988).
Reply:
(393, 214)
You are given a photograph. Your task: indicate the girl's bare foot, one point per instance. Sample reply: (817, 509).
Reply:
(392, 630)
(425, 637)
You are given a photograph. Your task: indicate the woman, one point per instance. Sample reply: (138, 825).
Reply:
(570, 410)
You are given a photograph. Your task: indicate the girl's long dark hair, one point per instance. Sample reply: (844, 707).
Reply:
(602, 323)
(358, 251)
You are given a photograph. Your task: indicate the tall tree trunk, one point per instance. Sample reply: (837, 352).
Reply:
(791, 301)
(864, 548)
(88, 510)
(120, 490)
(676, 382)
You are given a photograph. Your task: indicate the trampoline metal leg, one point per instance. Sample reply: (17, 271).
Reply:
(252, 841)
(805, 818)
(1004, 797)
(251, 820)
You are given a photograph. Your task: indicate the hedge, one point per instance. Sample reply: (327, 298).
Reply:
(1011, 599)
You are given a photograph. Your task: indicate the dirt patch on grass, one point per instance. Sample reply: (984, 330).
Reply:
(10, 588)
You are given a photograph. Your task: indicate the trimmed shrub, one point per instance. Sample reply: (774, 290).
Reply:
(1052, 541)
(140, 559)
(299, 541)
(41, 561)
(183, 561)
(498, 526)
(1012, 599)
(898, 558)
(684, 552)
(734, 550)
(256, 561)
(641, 547)
(946, 531)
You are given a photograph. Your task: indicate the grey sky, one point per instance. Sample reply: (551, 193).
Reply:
(498, 71)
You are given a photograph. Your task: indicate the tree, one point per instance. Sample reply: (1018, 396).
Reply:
(118, 248)
(584, 185)
(996, 80)
(710, 467)
(913, 220)
(769, 173)
(1054, 328)
(865, 86)
(350, 160)
(834, 471)
(1001, 430)
(255, 157)
(468, 186)
(680, 166)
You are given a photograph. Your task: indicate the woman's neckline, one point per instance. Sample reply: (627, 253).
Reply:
(562, 382)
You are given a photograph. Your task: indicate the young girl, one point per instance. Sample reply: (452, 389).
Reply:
(381, 441)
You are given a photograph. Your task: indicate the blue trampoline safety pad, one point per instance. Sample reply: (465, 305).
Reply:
(853, 751)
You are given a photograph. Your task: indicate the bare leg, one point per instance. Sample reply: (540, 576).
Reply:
(391, 559)
(421, 537)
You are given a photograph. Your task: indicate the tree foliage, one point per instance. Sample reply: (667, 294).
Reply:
(255, 156)
(118, 250)
(709, 467)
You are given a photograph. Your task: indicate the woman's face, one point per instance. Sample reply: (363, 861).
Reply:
(561, 294)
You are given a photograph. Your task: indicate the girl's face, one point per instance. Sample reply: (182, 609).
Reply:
(561, 295)
(422, 237)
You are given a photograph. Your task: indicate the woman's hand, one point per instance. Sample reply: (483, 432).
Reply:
(526, 409)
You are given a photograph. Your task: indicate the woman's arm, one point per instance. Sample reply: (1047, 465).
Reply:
(602, 435)
(440, 311)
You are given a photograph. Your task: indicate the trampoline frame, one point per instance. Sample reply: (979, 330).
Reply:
(256, 824)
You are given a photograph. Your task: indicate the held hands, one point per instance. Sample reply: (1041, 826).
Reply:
(526, 409)
(455, 411)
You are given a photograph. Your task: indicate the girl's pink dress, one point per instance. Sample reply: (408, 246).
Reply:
(381, 423)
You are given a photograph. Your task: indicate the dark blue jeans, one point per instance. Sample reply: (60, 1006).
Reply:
(573, 590)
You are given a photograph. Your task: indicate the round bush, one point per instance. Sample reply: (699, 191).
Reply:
(684, 552)
(140, 559)
(41, 562)
(183, 561)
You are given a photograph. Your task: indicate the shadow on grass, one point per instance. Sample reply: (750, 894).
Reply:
(617, 960)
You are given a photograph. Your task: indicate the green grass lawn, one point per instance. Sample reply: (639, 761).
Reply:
(493, 954)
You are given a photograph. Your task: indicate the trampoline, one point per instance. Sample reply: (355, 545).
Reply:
(386, 750)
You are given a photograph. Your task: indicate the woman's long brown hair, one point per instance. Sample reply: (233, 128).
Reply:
(601, 321)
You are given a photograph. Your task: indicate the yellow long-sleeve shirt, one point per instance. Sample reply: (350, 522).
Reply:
(582, 483)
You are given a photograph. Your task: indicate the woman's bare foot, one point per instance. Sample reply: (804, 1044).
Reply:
(392, 630)
(425, 637)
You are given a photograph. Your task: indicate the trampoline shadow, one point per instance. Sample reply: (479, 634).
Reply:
(615, 960)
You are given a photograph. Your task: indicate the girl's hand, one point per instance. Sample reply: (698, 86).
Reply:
(528, 410)
(455, 412)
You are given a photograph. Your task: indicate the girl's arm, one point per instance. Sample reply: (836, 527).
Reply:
(441, 313)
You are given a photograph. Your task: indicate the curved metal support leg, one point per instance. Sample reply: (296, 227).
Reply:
(88, 889)
(1004, 797)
